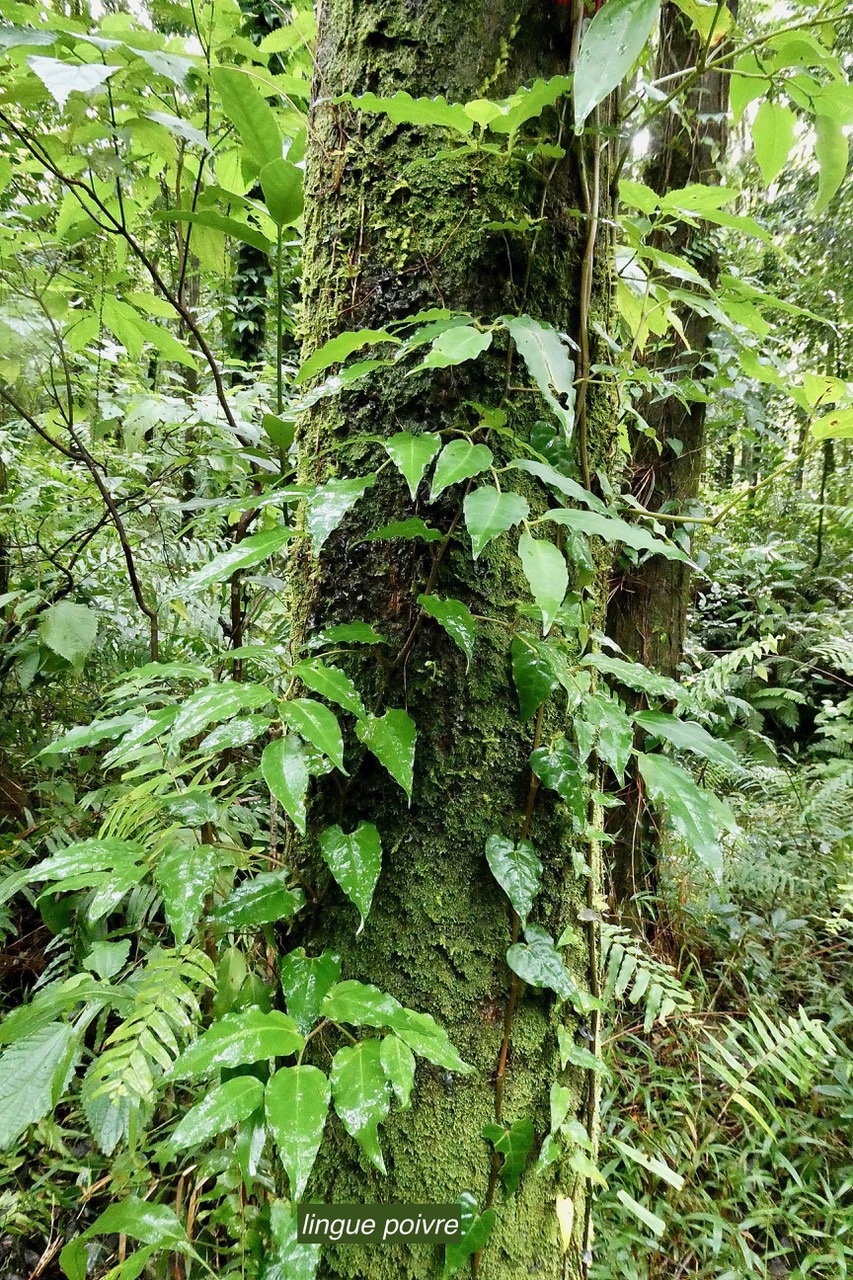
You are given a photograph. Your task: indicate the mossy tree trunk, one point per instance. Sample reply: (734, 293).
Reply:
(391, 230)
(648, 610)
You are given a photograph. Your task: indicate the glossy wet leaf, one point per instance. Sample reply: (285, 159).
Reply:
(687, 735)
(362, 1095)
(262, 899)
(604, 725)
(306, 981)
(398, 1063)
(331, 683)
(557, 766)
(221, 1109)
(412, 454)
(614, 529)
(455, 346)
(414, 527)
(610, 45)
(142, 1220)
(533, 674)
(518, 871)
(549, 364)
(329, 503)
(355, 860)
(489, 513)
(456, 619)
(689, 807)
(284, 765)
(318, 725)
(476, 1228)
(184, 875)
(514, 1144)
(391, 738)
(362, 1004)
(239, 1039)
(336, 350)
(538, 963)
(297, 1103)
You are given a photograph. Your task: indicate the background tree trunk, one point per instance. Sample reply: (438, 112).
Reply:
(438, 930)
(647, 613)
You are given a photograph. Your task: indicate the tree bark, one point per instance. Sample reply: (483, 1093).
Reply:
(385, 238)
(648, 610)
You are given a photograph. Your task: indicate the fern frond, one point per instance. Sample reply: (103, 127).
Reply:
(632, 973)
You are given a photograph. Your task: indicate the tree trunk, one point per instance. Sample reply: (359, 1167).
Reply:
(647, 614)
(385, 238)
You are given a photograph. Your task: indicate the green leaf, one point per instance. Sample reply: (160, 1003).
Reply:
(360, 1004)
(61, 79)
(652, 1163)
(329, 503)
(774, 132)
(318, 725)
(656, 1225)
(250, 113)
(33, 1074)
(88, 735)
(294, 1261)
(610, 46)
(239, 1039)
(337, 349)
(517, 870)
(604, 723)
(837, 425)
(712, 21)
(214, 703)
(563, 484)
(234, 227)
(331, 683)
(402, 108)
(634, 675)
(687, 735)
(414, 527)
(558, 767)
(398, 1063)
(355, 861)
(282, 186)
(184, 875)
(456, 619)
(346, 633)
(362, 1095)
(832, 149)
(74, 1259)
(221, 1109)
(689, 807)
(69, 630)
(243, 555)
(533, 674)
(141, 1220)
(297, 1103)
(306, 981)
(284, 766)
(477, 1228)
(180, 128)
(538, 963)
(545, 569)
(514, 1145)
(549, 364)
(263, 899)
(612, 529)
(412, 455)
(489, 513)
(281, 431)
(391, 739)
(455, 346)
(459, 460)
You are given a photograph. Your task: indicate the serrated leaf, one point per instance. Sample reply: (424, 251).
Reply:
(456, 619)
(398, 1063)
(558, 767)
(70, 630)
(514, 1145)
(306, 981)
(263, 899)
(239, 1039)
(362, 1095)
(489, 513)
(547, 574)
(412, 455)
(61, 79)
(391, 738)
(331, 683)
(33, 1073)
(244, 555)
(328, 504)
(517, 870)
(221, 1109)
(549, 364)
(533, 674)
(318, 725)
(689, 808)
(184, 874)
(355, 861)
(610, 46)
(459, 460)
(613, 529)
(297, 1103)
(687, 735)
(284, 766)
